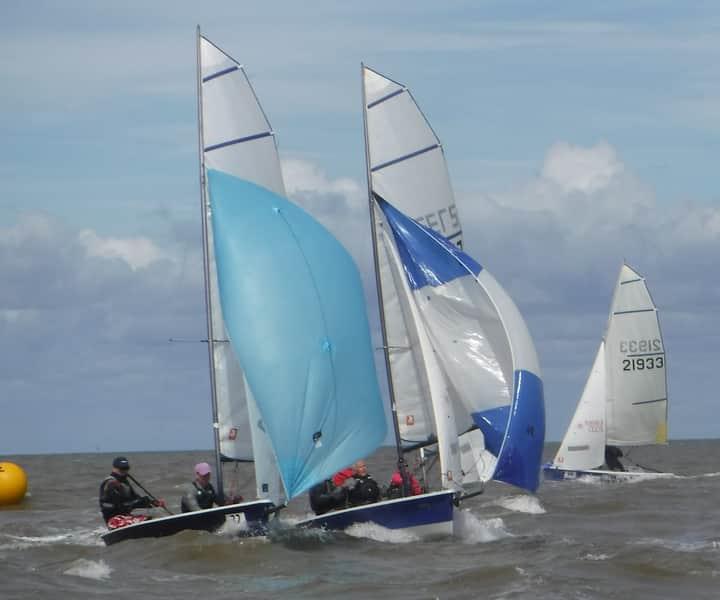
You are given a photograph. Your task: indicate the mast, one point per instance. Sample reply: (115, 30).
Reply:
(378, 287)
(206, 276)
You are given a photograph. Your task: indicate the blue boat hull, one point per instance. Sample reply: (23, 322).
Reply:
(427, 515)
(254, 513)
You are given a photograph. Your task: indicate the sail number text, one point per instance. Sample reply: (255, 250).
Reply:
(642, 364)
(652, 345)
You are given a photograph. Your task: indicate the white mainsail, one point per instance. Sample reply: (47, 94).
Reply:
(236, 138)
(406, 159)
(635, 366)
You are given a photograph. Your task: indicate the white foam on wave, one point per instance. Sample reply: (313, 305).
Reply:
(679, 545)
(79, 537)
(90, 569)
(523, 504)
(595, 557)
(470, 529)
(378, 533)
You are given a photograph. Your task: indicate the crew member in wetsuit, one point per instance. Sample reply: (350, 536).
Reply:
(395, 489)
(326, 496)
(612, 458)
(200, 494)
(118, 498)
(366, 489)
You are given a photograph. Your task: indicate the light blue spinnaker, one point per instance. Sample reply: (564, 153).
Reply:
(296, 317)
(482, 345)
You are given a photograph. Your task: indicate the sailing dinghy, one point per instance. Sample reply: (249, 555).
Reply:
(234, 136)
(462, 371)
(624, 402)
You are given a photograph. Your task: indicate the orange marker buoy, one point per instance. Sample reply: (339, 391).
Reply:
(13, 483)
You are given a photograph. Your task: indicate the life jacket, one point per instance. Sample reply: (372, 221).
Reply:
(205, 497)
(120, 502)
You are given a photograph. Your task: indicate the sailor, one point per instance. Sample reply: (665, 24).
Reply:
(118, 498)
(366, 489)
(200, 493)
(612, 458)
(395, 489)
(326, 496)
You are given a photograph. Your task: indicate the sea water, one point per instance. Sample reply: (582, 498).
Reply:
(576, 540)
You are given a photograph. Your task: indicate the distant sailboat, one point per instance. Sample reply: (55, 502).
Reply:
(454, 338)
(624, 402)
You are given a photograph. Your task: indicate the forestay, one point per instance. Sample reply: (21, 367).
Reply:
(295, 311)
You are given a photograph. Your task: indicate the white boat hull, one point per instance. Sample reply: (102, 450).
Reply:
(554, 473)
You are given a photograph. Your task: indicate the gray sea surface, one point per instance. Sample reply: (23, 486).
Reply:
(574, 540)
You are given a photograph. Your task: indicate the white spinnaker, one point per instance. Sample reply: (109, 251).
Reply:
(635, 365)
(583, 446)
(407, 163)
(237, 139)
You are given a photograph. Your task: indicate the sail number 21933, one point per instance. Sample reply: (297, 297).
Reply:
(642, 364)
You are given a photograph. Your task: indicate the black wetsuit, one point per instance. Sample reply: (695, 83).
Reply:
(612, 458)
(365, 491)
(117, 497)
(325, 497)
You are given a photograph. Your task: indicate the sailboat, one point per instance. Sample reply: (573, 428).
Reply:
(228, 111)
(475, 354)
(292, 373)
(624, 402)
(463, 375)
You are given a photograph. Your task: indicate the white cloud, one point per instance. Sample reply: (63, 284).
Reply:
(137, 252)
(578, 169)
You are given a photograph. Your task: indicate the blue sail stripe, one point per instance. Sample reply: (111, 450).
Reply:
(294, 309)
(384, 98)
(518, 444)
(219, 73)
(427, 257)
(241, 140)
(630, 281)
(403, 158)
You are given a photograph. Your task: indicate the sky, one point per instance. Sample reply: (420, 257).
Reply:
(577, 136)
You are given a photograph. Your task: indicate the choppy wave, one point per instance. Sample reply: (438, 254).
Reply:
(90, 569)
(522, 503)
(378, 533)
(470, 529)
(78, 537)
(679, 545)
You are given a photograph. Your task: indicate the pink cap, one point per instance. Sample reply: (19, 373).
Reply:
(396, 479)
(202, 468)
